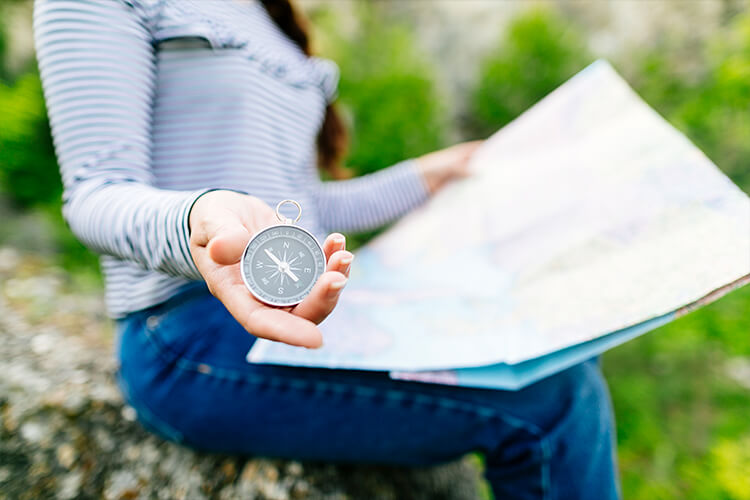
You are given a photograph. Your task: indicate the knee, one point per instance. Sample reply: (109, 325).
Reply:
(582, 409)
(572, 399)
(590, 400)
(581, 443)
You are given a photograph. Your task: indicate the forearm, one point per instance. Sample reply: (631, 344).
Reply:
(97, 64)
(370, 201)
(134, 222)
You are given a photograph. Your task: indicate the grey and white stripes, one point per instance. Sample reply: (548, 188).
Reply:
(143, 126)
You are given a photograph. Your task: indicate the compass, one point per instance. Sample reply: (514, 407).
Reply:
(281, 263)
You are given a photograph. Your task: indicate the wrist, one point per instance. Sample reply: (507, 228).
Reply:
(213, 198)
(192, 210)
(427, 174)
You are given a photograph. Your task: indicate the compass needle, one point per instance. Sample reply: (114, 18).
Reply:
(273, 257)
(289, 273)
(291, 261)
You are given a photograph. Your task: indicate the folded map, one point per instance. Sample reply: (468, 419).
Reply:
(586, 217)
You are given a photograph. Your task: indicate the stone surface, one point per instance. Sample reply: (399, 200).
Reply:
(65, 433)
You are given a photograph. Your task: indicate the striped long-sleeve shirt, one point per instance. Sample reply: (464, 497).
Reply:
(153, 102)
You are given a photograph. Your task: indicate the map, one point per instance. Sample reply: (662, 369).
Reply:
(587, 219)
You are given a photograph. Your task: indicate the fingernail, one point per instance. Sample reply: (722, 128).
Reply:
(339, 240)
(338, 285)
(347, 260)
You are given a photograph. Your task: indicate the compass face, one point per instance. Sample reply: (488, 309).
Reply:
(281, 264)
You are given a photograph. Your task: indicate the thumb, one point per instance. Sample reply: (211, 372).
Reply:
(228, 243)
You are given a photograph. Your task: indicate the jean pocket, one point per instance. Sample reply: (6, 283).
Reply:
(174, 326)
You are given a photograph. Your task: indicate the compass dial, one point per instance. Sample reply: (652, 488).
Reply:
(281, 264)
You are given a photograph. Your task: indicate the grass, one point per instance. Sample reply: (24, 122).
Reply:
(682, 419)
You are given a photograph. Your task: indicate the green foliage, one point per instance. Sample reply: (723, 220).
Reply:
(539, 51)
(386, 89)
(28, 169)
(29, 175)
(681, 421)
(712, 107)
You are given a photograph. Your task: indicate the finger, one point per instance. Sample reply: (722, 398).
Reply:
(333, 243)
(340, 261)
(228, 243)
(269, 323)
(281, 326)
(322, 298)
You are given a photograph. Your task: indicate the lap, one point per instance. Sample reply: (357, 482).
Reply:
(183, 368)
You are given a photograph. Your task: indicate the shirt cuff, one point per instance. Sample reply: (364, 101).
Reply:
(413, 182)
(180, 234)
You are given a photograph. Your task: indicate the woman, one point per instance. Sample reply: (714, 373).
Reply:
(178, 124)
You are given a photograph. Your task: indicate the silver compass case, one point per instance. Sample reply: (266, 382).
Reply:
(282, 263)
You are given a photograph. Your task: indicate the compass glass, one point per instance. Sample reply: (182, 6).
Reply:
(281, 264)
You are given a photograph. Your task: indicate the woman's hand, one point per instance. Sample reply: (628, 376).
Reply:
(222, 222)
(447, 164)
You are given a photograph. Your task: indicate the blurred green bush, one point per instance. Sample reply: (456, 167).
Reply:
(387, 89)
(539, 51)
(712, 106)
(28, 169)
(29, 177)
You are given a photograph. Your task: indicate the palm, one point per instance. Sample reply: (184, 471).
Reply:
(222, 225)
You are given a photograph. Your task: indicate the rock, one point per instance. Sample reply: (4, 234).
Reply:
(66, 455)
(65, 432)
(70, 486)
(121, 485)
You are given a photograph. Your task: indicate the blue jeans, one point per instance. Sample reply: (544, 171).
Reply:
(183, 369)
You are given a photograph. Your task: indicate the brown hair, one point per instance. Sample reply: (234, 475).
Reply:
(333, 139)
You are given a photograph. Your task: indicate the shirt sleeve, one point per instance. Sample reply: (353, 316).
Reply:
(370, 201)
(97, 65)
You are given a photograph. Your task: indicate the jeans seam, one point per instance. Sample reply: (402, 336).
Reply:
(199, 368)
(545, 472)
(299, 384)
